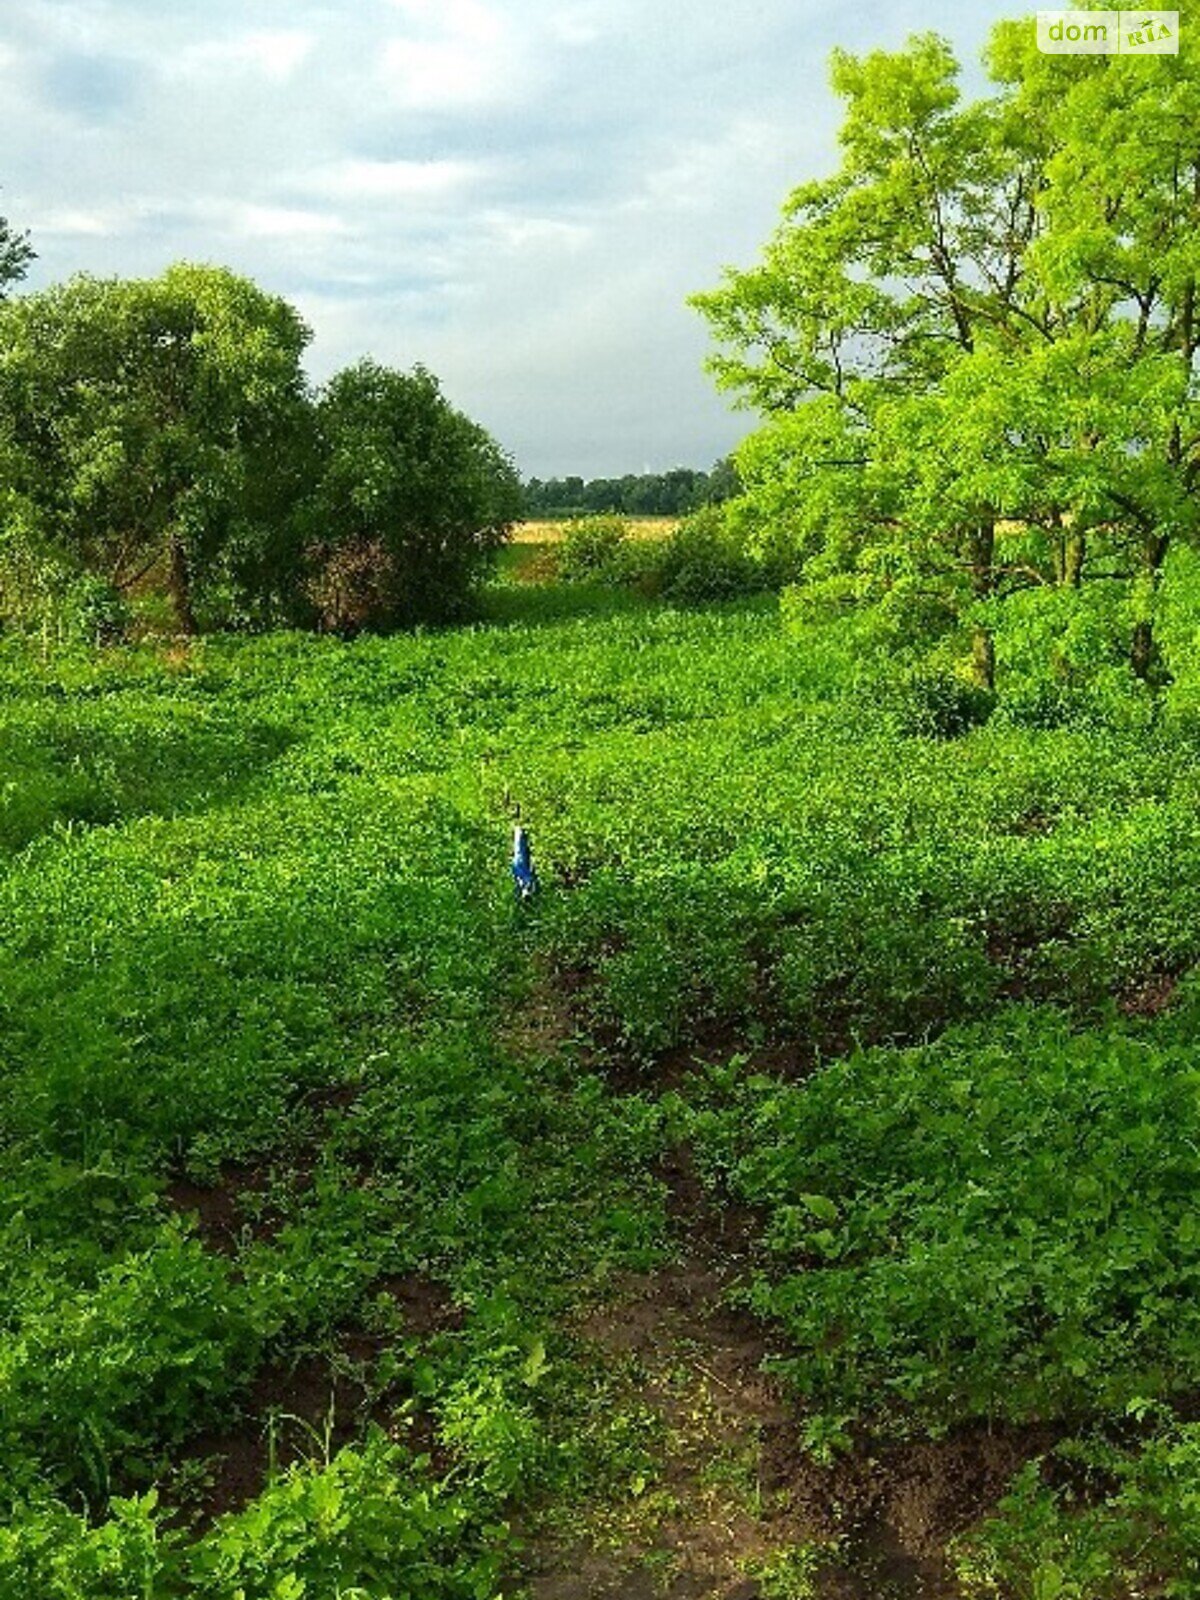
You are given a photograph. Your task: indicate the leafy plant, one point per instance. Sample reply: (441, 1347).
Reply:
(591, 546)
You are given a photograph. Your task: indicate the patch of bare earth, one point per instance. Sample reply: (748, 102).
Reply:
(307, 1406)
(241, 1201)
(736, 1494)
(543, 1024)
(307, 1409)
(1151, 996)
(696, 1364)
(223, 1211)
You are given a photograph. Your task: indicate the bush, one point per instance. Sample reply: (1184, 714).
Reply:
(997, 1224)
(370, 1524)
(43, 593)
(702, 561)
(591, 547)
(638, 565)
(56, 1554)
(93, 612)
(349, 583)
(1041, 1541)
(412, 500)
(931, 702)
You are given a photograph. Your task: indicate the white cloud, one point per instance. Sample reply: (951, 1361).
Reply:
(537, 234)
(700, 173)
(393, 180)
(98, 222)
(443, 74)
(452, 55)
(210, 212)
(280, 222)
(274, 53)
(520, 193)
(461, 19)
(577, 28)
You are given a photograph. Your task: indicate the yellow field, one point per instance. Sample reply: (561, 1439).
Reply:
(546, 532)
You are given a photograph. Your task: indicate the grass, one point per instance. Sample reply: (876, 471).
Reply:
(286, 1077)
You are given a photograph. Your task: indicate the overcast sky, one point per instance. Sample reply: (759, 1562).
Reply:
(517, 193)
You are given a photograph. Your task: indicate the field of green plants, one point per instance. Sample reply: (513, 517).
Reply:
(324, 1162)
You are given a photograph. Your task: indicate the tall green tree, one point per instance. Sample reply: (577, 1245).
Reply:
(411, 500)
(141, 421)
(1121, 244)
(880, 281)
(974, 345)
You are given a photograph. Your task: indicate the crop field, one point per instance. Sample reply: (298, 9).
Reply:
(798, 1198)
(531, 555)
(542, 530)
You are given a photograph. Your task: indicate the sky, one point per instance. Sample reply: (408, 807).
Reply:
(518, 194)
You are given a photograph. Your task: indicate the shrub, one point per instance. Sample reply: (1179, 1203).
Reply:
(1041, 1541)
(62, 608)
(638, 565)
(370, 1523)
(933, 702)
(913, 1274)
(93, 612)
(349, 582)
(591, 547)
(56, 1554)
(702, 561)
(412, 499)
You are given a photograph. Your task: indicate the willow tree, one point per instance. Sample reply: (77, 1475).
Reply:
(140, 419)
(973, 345)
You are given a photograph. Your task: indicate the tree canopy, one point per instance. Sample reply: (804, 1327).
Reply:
(973, 346)
(16, 256)
(162, 431)
(411, 498)
(138, 415)
(674, 493)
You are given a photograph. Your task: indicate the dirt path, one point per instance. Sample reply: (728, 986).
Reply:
(714, 1514)
(739, 1511)
(721, 1509)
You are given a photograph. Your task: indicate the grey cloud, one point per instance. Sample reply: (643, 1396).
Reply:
(93, 88)
(647, 147)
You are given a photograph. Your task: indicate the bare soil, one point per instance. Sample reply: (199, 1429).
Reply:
(736, 1492)
(1151, 996)
(309, 1408)
(222, 1209)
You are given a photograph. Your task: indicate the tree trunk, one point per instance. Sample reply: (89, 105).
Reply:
(1141, 645)
(1074, 550)
(1141, 649)
(983, 659)
(179, 583)
(983, 646)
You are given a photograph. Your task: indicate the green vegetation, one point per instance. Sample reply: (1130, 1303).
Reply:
(158, 438)
(16, 255)
(697, 560)
(258, 941)
(974, 345)
(592, 547)
(410, 501)
(826, 1123)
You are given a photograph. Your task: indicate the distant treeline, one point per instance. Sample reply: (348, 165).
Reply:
(647, 494)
